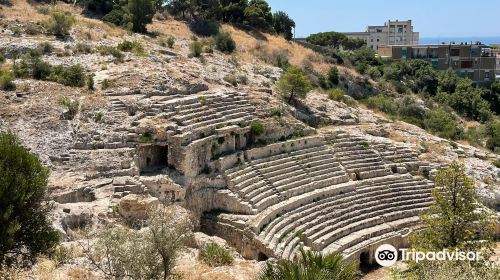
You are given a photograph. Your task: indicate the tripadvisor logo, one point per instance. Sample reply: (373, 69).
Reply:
(386, 255)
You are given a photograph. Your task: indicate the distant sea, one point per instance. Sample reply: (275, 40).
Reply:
(458, 40)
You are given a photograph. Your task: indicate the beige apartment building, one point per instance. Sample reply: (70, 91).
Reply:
(391, 33)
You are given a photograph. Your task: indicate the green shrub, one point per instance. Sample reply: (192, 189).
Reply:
(33, 67)
(205, 27)
(83, 48)
(71, 107)
(338, 94)
(276, 58)
(311, 265)
(468, 101)
(170, 42)
(382, 103)
(45, 47)
(476, 135)
(6, 80)
(224, 42)
(361, 68)
(257, 129)
(333, 75)
(134, 47)
(90, 82)
(41, 70)
(108, 50)
(2, 58)
(33, 29)
(149, 253)
(276, 112)
(72, 76)
(25, 227)
(214, 255)
(60, 23)
(231, 79)
(373, 72)
(62, 255)
(196, 48)
(44, 9)
(105, 84)
(443, 124)
(146, 137)
(496, 163)
(408, 107)
(493, 132)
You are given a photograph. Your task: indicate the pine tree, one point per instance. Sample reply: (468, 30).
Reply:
(293, 84)
(456, 219)
(25, 230)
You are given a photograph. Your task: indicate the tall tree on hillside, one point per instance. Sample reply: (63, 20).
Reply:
(493, 96)
(201, 10)
(25, 230)
(447, 80)
(258, 14)
(283, 24)
(293, 84)
(233, 10)
(327, 39)
(353, 44)
(178, 7)
(455, 219)
(139, 13)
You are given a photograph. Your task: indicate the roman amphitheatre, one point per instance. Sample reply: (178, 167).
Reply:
(211, 135)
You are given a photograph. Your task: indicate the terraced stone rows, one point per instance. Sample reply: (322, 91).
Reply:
(357, 158)
(193, 113)
(398, 156)
(264, 182)
(321, 223)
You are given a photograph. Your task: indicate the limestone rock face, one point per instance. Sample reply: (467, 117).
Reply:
(136, 206)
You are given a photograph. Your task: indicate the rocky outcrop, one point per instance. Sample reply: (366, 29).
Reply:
(135, 206)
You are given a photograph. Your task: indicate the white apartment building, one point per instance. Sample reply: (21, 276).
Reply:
(391, 33)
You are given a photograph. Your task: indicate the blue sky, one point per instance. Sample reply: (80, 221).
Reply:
(432, 18)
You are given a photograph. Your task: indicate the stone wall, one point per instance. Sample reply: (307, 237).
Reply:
(245, 243)
(284, 147)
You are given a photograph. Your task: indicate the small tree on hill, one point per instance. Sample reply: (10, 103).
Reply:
(60, 23)
(25, 230)
(149, 253)
(455, 220)
(258, 14)
(283, 24)
(138, 14)
(293, 84)
(333, 76)
(224, 42)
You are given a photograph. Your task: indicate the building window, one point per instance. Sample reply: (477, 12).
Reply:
(486, 75)
(433, 53)
(378, 40)
(466, 64)
(371, 40)
(455, 52)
